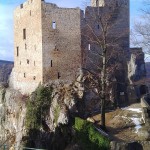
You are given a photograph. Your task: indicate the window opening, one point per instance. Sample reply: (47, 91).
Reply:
(89, 47)
(97, 3)
(24, 75)
(24, 34)
(21, 6)
(17, 51)
(54, 25)
(27, 61)
(51, 63)
(34, 78)
(25, 46)
(59, 75)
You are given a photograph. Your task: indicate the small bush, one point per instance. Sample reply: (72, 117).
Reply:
(88, 137)
(56, 114)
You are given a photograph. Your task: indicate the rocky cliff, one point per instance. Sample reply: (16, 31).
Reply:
(136, 74)
(5, 70)
(64, 102)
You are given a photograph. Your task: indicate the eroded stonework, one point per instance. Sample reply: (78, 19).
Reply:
(49, 42)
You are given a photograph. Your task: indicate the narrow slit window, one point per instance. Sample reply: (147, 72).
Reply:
(59, 75)
(24, 34)
(98, 26)
(34, 78)
(30, 13)
(34, 63)
(51, 63)
(20, 62)
(28, 61)
(89, 47)
(24, 75)
(54, 25)
(25, 46)
(17, 51)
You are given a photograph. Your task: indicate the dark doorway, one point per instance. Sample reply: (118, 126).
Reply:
(143, 89)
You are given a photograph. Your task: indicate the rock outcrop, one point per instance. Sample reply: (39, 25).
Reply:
(141, 145)
(13, 110)
(136, 65)
(63, 107)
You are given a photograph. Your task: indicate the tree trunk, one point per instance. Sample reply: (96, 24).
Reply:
(103, 85)
(103, 94)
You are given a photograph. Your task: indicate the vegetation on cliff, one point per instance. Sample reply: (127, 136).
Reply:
(85, 135)
(88, 137)
(38, 106)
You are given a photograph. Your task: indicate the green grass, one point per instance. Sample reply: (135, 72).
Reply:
(88, 137)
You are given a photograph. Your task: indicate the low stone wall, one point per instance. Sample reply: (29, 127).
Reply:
(140, 145)
(146, 107)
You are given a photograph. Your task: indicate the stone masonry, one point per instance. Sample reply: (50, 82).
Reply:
(49, 44)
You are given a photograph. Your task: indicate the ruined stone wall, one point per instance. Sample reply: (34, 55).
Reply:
(101, 3)
(51, 43)
(116, 16)
(94, 3)
(61, 37)
(27, 73)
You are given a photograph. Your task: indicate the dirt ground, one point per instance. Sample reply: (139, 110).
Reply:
(123, 124)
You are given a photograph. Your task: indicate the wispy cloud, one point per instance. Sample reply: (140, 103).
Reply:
(6, 30)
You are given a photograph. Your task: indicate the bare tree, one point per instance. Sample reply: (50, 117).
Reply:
(141, 32)
(106, 35)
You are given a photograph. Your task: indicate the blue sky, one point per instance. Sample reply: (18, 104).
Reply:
(6, 20)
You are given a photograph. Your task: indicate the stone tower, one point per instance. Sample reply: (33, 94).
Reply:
(118, 11)
(47, 44)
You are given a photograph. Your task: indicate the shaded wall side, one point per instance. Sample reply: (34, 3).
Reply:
(62, 56)
(118, 35)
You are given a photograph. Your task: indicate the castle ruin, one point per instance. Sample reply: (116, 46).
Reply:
(50, 42)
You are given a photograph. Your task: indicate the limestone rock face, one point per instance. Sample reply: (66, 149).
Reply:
(12, 110)
(64, 101)
(144, 134)
(136, 65)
